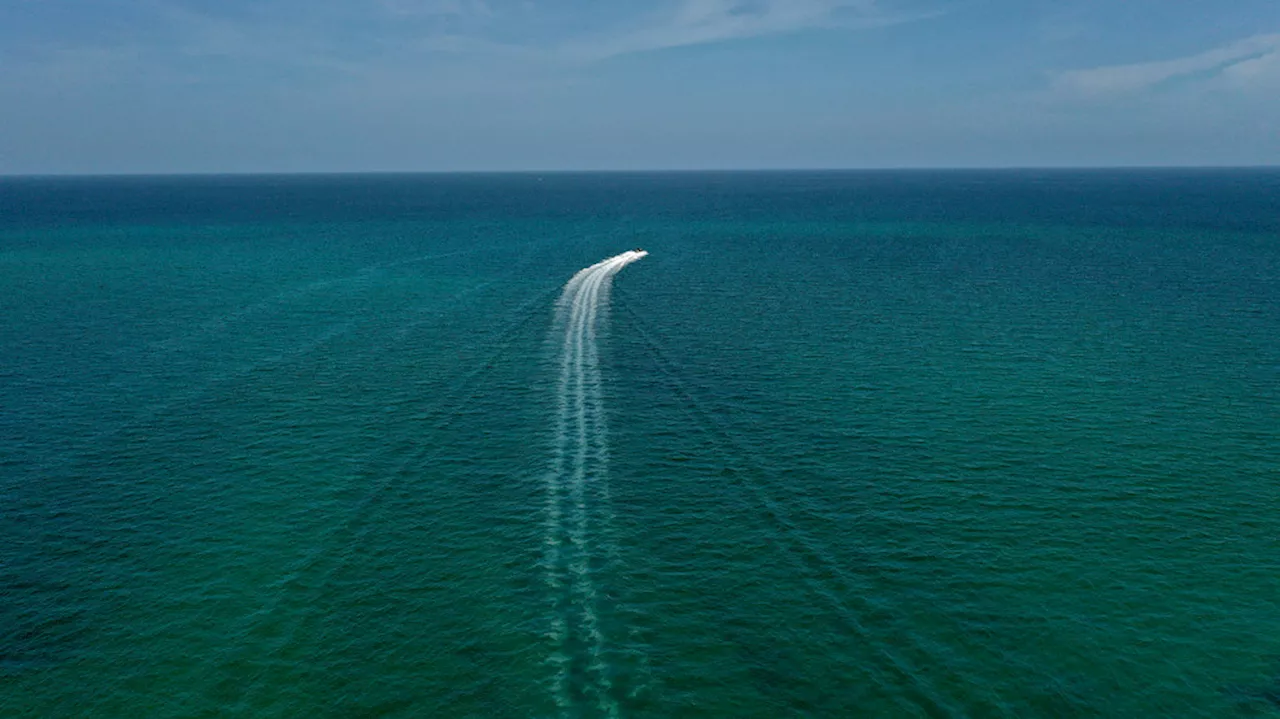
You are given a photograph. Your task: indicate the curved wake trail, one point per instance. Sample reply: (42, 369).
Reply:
(579, 467)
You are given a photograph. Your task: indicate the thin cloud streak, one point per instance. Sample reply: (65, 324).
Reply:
(438, 8)
(1259, 73)
(698, 22)
(1239, 60)
(391, 32)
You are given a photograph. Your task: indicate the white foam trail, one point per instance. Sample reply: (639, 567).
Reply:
(579, 458)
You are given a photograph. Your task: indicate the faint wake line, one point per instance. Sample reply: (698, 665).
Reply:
(803, 545)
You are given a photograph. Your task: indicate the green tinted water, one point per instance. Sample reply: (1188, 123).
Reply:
(879, 445)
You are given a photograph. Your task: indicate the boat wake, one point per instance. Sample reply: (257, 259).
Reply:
(577, 491)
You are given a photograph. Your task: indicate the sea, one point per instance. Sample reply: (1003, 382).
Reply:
(570, 445)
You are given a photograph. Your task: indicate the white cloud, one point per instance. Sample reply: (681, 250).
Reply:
(434, 41)
(438, 8)
(695, 22)
(1240, 61)
(1261, 72)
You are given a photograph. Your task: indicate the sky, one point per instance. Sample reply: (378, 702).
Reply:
(192, 86)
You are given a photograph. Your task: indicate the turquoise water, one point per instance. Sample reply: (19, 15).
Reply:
(988, 444)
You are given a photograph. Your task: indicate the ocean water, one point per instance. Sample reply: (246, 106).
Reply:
(950, 444)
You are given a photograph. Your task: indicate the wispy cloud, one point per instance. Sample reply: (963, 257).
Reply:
(696, 22)
(1262, 72)
(438, 8)
(283, 34)
(1240, 62)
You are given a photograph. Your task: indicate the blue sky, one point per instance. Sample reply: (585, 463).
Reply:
(106, 86)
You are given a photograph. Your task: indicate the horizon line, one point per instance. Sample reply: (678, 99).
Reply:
(653, 171)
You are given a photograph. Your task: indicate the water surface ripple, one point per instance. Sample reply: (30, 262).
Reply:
(962, 444)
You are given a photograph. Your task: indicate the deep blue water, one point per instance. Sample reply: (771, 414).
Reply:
(944, 444)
